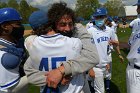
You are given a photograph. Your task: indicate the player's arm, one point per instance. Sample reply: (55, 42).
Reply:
(88, 57)
(34, 76)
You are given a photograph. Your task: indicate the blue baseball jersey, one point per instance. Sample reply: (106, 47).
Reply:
(48, 52)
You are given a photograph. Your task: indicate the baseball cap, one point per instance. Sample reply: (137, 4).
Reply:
(138, 3)
(38, 18)
(109, 19)
(100, 12)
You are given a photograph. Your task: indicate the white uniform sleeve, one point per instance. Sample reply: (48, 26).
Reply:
(32, 73)
(29, 40)
(131, 24)
(29, 69)
(88, 57)
(113, 36)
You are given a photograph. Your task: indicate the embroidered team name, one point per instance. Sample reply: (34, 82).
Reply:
(101, 39)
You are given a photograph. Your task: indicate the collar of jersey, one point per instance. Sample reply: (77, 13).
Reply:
(50, 36)
(138, 15)
(7, 42)
(100, 28)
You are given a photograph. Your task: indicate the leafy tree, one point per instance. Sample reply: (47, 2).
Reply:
(3, 4)
(115, 7)
(85, 8)
(13, 4)
(24, 10)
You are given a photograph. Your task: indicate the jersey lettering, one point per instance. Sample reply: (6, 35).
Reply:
(101, 39)
(138, 50)
(45, 63)
(137, 36)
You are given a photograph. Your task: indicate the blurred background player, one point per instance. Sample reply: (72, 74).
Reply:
(102, 37)
(11, 52)
(111, 49)
(90, 23)
(133, 67)
(124, 23)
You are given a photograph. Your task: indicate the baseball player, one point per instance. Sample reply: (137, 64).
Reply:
(108, 76)
(102, 36)
(64, 22)
(11, 55)
(133, 68)
(48, 49)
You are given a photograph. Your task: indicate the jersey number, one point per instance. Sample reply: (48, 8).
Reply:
(45, 63)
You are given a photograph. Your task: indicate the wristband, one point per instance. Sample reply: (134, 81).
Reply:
(60, 71)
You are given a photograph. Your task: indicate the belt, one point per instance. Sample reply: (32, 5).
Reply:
(133, 65)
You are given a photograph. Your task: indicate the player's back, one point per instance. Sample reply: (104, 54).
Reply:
(48, 52)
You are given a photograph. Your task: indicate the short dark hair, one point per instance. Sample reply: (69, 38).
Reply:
(57, 10)
(42, 30)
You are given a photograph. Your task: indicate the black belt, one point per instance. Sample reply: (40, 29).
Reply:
(135, 66)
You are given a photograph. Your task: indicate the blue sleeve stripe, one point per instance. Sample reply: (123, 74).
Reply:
(4, 86)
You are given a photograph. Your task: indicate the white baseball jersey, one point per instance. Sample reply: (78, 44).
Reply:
(114, 26)
(101, 39)
(89, 25)
(48, 52)
(134, 42)
(8, 77)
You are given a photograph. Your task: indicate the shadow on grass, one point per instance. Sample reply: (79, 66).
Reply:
(114, 88)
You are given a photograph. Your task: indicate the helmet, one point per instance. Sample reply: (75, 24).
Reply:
(9, 14)
(78, 19)
(116, 17)
(109, 19)
(38, 18)
(100, 12)
(138, 3)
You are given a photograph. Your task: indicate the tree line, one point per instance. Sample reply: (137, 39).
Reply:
(23, 7)
(86, 8)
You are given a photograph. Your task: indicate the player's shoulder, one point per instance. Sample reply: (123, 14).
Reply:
(29, 40)
(10, 61)
(136, 20)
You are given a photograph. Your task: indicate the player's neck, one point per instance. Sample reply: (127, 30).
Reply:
(52, 32)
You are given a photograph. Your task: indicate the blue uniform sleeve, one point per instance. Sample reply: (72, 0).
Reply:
(10, 61)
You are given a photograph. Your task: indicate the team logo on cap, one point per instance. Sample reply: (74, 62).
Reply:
(98, 10)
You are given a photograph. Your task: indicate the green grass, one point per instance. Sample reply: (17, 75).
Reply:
(118, 82)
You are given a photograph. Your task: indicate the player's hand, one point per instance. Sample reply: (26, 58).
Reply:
(121, 58)
(113, 42)
(53, 77)
(91, 73)
(66, 80)
(107, 67)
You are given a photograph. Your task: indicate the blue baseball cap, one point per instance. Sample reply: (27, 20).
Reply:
(38, 18)
(80, 19)
(100, 12)
(109, 19)
(138, 3)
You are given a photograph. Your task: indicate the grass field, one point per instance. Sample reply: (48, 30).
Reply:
(118, 82)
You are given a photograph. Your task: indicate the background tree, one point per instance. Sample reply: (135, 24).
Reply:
(13, 4)
(115, 7)
(25, 10)
(3, 4)
(85, 8)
